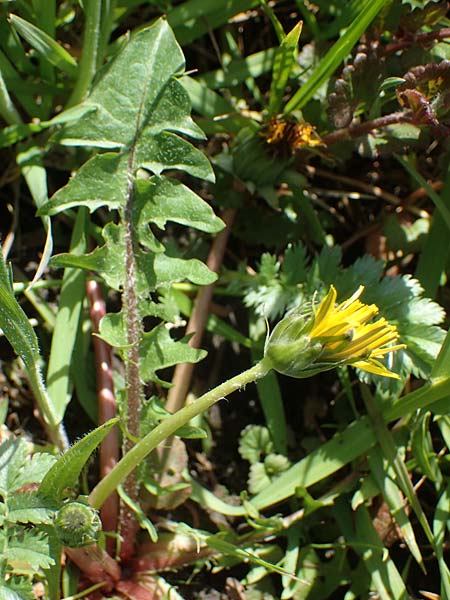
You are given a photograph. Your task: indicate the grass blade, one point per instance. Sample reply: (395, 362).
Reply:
(45, 45)
(282, 67)
(336, 54)
(67, 322)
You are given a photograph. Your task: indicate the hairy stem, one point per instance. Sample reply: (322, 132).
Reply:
(128, 523)
(167, 428)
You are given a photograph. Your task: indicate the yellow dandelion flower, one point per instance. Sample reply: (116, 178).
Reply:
(332, 335)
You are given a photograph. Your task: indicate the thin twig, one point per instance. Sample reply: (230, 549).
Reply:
(197, 322)
(374, 190)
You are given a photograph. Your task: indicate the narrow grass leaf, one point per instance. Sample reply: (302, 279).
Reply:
(270, 396)
(70, 305)
(424, 397)
(45, 45)
(239, 69)
(21, 336)
(229, 549)
(436, 249)
(192, 19)
(291, 561)
(342, 448)
(278, 27)
(219, 114)
(7, 109)
(385, 478)
(385, 575)
(392, 455)
(423, 451)
(35, 174)
(142, 518)
(334, 57)
(210, 501)
(422, 182)
(440, 528)
(13, 50)
(441, 369)
(282, 67)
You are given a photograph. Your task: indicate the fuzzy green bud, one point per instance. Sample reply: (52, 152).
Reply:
(289, 349)
(77, 525)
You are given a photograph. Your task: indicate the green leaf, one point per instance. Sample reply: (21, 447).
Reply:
(385, 478)
(17, 588)
(13, 457)
(282, 66)
(45, 45)
(195, 18)
(59, 384)
(34, 469)
(101, 181)
(30, 549)
(30, 507)
(142, 518)
(258, 479)
(66, 471)
(159, 200)
(22, 338)
(154, 270)
(364, 539)
(228, 549)
(158, 351)
(18, 469)
(135, 106)
(254, 442)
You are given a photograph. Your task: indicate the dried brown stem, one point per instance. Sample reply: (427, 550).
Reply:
(375, 190)
(197, 322)
(107, 408)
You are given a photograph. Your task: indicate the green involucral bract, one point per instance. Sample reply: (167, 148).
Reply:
(289, 349)
(77, 525)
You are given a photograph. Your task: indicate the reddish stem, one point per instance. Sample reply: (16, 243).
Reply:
(96, 565)
(359, 129)
(421, 39)
(107, 409)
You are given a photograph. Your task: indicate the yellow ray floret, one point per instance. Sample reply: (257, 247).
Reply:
(331, 335)
(346, 334)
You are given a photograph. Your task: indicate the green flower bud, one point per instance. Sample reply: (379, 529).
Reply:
(290, 349)
(77, 525)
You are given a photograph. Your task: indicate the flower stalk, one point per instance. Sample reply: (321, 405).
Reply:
(167, 428)
(301, 345)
